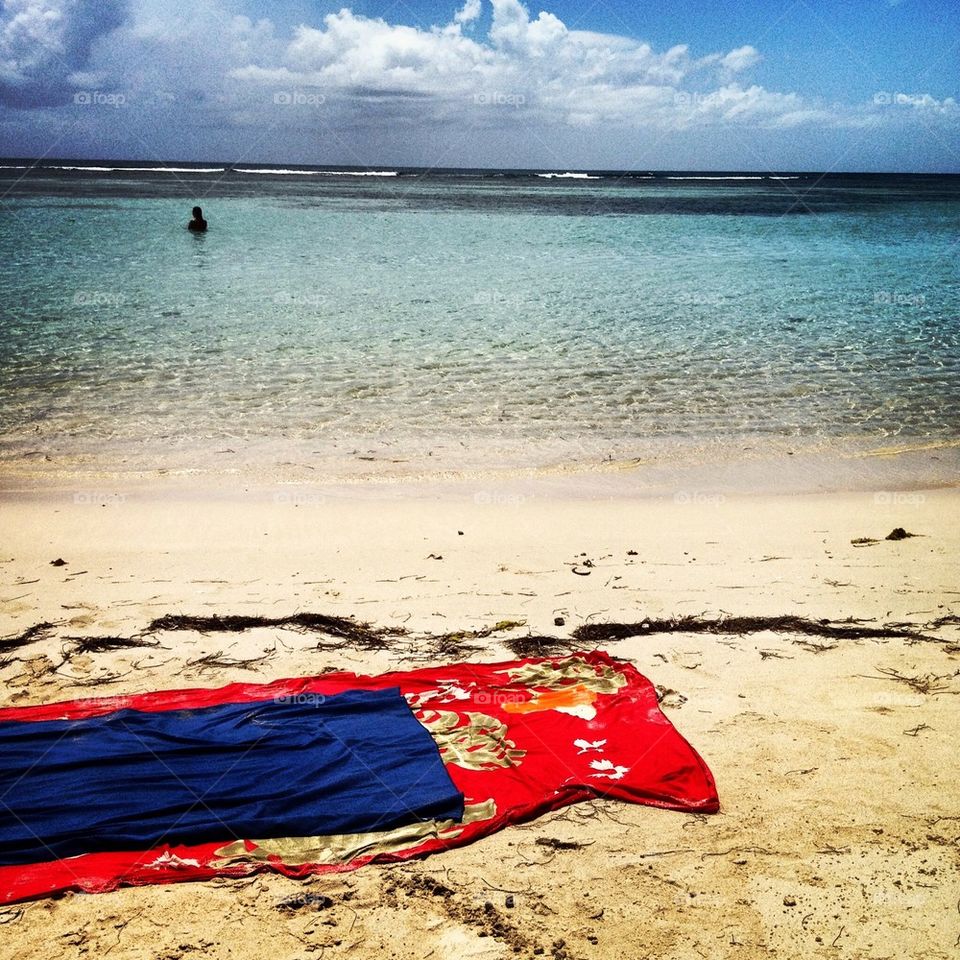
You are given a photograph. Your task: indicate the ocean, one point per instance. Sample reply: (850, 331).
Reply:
(391, 322)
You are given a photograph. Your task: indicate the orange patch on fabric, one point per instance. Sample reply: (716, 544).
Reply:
(575, 695)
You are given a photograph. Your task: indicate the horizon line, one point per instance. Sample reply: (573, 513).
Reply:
(40, 162)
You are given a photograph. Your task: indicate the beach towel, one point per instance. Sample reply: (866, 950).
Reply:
(517, 739)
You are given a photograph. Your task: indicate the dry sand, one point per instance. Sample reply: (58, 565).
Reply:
(838, 835)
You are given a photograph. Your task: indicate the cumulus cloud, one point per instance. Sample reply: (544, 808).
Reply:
(45, 43)
(740, 59)
(559, 75)
(492, 75)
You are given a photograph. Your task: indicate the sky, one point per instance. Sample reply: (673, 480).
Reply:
(861, 85)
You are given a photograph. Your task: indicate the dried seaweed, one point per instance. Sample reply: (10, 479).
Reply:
(898, 533)
(457, 640)
(104, 644)
(334, 626)
(538, 646)
(39, 631)
(347, 633)
(595, 633)
(355, 634)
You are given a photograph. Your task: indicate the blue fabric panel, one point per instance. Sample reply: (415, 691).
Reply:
(301, 766)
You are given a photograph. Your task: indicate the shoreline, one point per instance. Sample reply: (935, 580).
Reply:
(894, 469)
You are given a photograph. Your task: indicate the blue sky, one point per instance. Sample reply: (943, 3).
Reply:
(860, 85)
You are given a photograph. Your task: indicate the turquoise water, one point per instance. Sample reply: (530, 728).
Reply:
(454, 323)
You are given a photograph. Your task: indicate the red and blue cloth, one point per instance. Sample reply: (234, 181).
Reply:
(322, 774)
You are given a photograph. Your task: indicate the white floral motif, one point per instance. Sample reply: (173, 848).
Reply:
(617, 773)
(587, 745)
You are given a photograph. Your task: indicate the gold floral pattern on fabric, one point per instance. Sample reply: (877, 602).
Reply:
(481, 743)
(569, 686)
(556, 674)
(342, 848)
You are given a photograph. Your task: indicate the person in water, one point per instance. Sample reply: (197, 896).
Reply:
(197, 224)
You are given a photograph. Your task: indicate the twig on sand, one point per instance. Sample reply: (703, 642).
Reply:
(723, 853)
(814, 647)
(100, 681)
(216, 661)
(929, 683)
(554, 843)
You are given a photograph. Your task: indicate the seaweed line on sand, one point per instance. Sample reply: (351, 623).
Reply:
(848, 629)
(350, 633)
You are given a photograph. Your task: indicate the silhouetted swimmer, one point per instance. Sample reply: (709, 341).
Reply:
(197, 224)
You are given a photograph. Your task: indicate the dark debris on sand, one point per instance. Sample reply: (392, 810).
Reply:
(346, 633)
(39, 631)
(104, 644)
(596, 633)
(354, 633)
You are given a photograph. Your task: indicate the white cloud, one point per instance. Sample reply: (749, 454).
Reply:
(559, 75)
(43, 43)
(469, 12)
(740, 59)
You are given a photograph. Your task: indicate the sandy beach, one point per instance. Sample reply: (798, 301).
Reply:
(834, 758)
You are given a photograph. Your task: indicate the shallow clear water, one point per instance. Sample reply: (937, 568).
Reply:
(452, 322)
